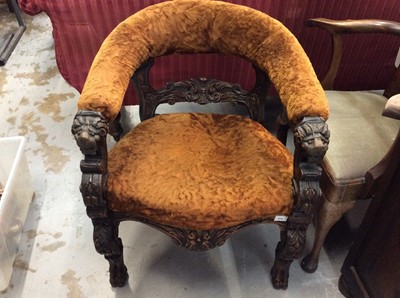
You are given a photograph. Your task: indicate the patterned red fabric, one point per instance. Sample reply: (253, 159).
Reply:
(79, 27)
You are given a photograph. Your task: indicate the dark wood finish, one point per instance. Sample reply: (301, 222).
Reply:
(337, 28)
(330, 212)
(201, 91)
(372, 266)
(311, 138)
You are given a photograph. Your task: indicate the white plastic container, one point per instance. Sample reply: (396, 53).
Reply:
(14, 202)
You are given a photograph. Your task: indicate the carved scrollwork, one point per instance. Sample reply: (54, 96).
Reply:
(103, 233)
(291, 246)
(89, 128)
(195, 239)
(92, 190)
(107, 243)
(202, 91)
(296, 239)
(198, 90)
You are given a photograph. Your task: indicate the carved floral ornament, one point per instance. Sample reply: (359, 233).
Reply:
(202, 91)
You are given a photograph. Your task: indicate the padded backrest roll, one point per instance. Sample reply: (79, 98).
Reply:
(198, 26)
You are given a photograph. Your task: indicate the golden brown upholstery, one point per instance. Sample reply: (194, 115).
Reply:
(200, 171)
(201, 177)
(203, 26)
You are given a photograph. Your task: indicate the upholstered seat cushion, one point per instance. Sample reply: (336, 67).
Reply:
(360, 137)
(200, 171)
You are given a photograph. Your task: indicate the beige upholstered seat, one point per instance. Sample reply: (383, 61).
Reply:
(360, 135)
(352, 153)
(226, 169)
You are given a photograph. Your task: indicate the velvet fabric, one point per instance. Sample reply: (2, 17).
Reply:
(203, 26)
(200, 171)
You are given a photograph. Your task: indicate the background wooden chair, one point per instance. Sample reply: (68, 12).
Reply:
(201, 177)
(360, 136)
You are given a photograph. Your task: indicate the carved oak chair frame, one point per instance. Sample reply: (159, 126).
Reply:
(92, 124)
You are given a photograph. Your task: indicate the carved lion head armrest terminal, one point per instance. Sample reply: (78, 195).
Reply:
(311, 138)
(89, 129)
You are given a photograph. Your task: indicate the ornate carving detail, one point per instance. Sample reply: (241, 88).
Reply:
(89, 128)
(104, 231)
(293, 239)
(291, 246)
(107, 243)
(312, 136)
(198, 90)
(296, 239)
(203, 91)
(94, 191)
(197, 240)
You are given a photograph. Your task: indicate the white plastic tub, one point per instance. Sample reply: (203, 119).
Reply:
(14, 203)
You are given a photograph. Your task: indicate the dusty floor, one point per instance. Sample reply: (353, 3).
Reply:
(56, 256)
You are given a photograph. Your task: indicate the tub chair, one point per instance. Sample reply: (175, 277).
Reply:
(201, 177)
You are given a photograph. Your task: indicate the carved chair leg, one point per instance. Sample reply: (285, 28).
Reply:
(107, 243)
(290, 247)
(116, 128)
(328, 214)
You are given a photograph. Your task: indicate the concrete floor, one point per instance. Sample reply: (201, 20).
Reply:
(56, 255)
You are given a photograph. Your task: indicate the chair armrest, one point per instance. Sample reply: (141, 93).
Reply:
(356, 26)
(392, 108)
(339, 27)
(90, 131)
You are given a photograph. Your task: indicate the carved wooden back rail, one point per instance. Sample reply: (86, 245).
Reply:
(200, 91)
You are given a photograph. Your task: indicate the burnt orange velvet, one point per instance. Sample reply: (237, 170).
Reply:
(203, 26)
(200, 171)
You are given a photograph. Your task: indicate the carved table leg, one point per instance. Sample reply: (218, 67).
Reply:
(329, 213)
(290, 247)
(107, 243)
